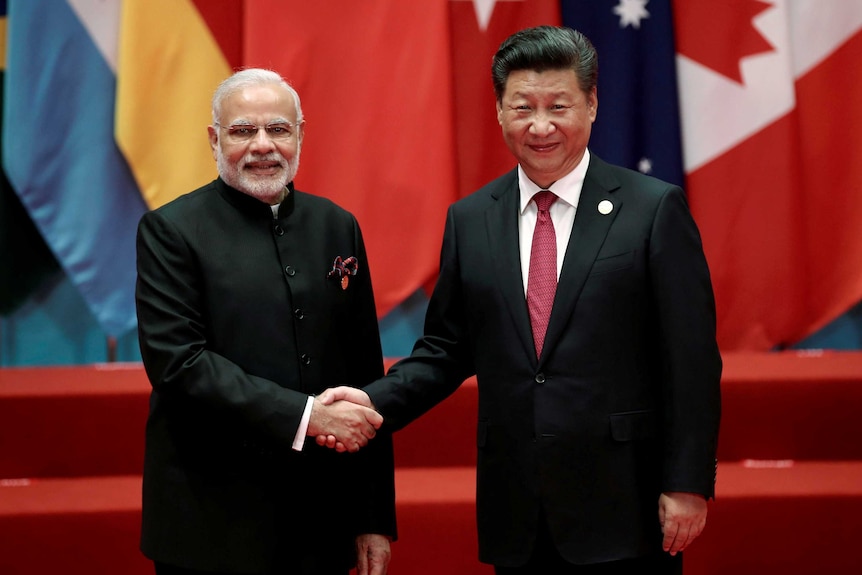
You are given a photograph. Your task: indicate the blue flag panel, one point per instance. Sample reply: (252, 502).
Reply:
(638, 119)
(61, 157)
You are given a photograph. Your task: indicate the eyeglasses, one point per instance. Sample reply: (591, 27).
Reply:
(276, 131)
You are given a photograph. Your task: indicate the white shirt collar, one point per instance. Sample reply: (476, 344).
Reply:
(568, 188)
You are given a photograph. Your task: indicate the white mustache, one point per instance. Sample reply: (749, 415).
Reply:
(273, 157)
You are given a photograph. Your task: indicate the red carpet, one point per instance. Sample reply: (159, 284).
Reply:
(789, 492)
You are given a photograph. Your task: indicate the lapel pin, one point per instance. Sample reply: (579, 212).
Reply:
(605, 207)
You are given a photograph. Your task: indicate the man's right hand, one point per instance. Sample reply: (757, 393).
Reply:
(350, 425)
(341, 394)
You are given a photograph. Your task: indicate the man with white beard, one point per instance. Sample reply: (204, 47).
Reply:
(252, 296)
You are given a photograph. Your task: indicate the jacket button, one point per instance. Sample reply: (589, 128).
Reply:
(540, 378)
(289, 271)
(279, 231)
(298, 314)
(305, 359)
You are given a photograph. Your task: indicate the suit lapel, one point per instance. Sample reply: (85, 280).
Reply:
(588, 234)
(501, 222)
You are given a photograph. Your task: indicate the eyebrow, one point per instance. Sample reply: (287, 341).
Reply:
(244, 122)
(522, 94)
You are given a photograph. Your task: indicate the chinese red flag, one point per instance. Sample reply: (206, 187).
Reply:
(478, 28)
(376, 88)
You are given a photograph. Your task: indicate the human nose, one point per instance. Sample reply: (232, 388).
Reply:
(542, 124)
(261, 141)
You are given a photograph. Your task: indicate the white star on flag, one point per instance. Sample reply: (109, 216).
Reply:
(631, 12)
(645, 166)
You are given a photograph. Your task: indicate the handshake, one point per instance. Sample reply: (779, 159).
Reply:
(343, 418)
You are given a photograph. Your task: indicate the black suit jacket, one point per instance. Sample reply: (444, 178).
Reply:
(238, 323)
(624, 402)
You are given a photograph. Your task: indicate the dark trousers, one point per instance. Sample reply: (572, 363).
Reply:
(546, 560)
(310, 566)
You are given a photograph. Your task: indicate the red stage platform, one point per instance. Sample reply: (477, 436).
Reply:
(789, 492)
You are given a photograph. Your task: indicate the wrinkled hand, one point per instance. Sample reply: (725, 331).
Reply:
(682, 517)
(349, 424)
(372, 554)
(342, 393)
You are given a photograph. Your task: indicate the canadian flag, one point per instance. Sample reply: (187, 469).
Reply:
(771, 106)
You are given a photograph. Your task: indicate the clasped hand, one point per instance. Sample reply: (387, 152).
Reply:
(344, 419)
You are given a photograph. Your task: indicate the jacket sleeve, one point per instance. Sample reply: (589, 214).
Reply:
(441, 359)
(376, 474)
(691, 364)
(173, 334)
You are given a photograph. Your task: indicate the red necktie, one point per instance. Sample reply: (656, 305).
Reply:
(542, 277)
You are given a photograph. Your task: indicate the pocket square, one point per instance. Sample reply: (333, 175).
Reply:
(342, 269)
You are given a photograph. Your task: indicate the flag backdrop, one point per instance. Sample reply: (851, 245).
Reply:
(111, 102)
(477, 29)
(164, 88)
(400, 113)
(61, 157)
(376, 97)
(89, 153)
(638, 120)
(26, 260)
(772, 132)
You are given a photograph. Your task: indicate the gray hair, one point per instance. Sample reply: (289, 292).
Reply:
(247, 78)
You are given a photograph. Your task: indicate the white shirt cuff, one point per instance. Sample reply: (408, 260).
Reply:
(299, 440)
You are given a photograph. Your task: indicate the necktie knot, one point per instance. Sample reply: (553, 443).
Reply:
(544, 200)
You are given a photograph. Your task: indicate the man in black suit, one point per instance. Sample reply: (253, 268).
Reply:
(251, 295)
(598, 423)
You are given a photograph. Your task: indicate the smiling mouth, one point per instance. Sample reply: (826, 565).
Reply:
(542, 147)
(263, 167)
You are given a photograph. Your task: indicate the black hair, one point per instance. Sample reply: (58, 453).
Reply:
(546, 48)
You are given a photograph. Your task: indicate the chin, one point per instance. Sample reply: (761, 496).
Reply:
(266, 190)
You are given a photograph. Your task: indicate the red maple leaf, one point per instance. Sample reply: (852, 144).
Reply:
(719, 34)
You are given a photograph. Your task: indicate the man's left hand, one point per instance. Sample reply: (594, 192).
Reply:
(682, 517)
(372, 554)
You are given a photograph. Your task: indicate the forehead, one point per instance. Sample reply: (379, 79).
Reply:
(531, 83)
(259, 103)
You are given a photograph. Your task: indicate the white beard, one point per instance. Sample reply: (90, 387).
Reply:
(268, 189)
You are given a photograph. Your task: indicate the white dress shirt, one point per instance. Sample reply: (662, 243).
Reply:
(568, 190)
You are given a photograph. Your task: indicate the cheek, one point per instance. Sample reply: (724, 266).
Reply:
(233, 154)
(512, 131)
(287, 151)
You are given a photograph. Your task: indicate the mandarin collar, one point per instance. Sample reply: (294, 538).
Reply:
(250, 205)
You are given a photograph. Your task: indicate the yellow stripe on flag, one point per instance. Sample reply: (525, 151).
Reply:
(3, 42)
(169, 65)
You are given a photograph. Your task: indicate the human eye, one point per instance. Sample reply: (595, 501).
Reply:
(521, 108)
(279, 130)
(242, 131)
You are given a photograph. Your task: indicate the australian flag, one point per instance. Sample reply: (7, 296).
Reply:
(638, 119)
